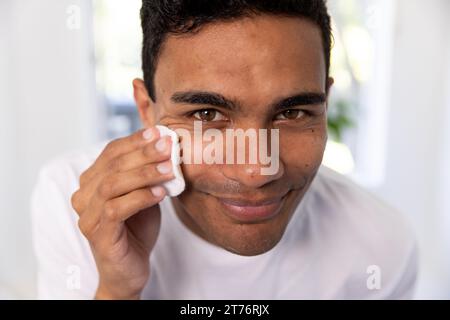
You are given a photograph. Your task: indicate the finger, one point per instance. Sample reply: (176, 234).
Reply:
(155, 151)
(89, 221)
(120, 183)
(119, 147)
(91, 178)
(118, 210)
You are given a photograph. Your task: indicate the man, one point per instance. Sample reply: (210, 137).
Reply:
(104, 228)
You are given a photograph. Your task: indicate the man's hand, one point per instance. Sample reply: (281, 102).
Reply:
(117, 203)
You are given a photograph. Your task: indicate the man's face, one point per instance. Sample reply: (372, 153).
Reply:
(256, 64)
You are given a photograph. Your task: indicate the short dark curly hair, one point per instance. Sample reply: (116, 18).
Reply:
(162, 17)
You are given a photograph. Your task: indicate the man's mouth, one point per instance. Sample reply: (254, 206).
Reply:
(255, 210)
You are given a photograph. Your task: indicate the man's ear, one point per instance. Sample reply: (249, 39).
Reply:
(330, 82)
(144, 104)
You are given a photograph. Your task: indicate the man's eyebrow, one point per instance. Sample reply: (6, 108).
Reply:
(204, 98)
(217, 100)
(301, 99)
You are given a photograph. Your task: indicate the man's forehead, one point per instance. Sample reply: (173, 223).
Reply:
(256, 51)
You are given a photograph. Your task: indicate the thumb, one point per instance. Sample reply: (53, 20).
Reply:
(145, 226)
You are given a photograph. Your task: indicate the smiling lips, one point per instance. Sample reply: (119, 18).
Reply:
(251, 211)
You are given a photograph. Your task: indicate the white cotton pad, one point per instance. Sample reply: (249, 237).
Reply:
(175, 186)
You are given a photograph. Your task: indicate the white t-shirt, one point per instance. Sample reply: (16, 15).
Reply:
(341, 243)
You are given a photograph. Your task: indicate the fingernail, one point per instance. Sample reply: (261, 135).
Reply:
(164, 168)
(148, 134)
(161, 145)
(158, 191)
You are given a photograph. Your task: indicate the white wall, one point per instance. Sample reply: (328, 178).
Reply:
(416, 171)
(47, 107)
(8, 154)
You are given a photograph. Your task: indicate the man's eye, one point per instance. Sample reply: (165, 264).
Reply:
(291, 114)
(208, 115)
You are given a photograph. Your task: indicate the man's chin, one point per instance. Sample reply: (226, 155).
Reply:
(255, 238)
(245, 238)
(248, 242)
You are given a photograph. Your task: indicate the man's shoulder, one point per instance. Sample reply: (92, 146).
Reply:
(349, 205)
(57, 242)
(360, 230)
(345, 198)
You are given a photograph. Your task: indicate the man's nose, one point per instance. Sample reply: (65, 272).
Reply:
(253, 171)
(250, 175)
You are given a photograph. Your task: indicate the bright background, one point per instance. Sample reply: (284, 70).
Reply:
(65, 83)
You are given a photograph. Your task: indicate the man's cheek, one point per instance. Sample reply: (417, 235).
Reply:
(193, 172)
(191, 198)
(303, 154)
